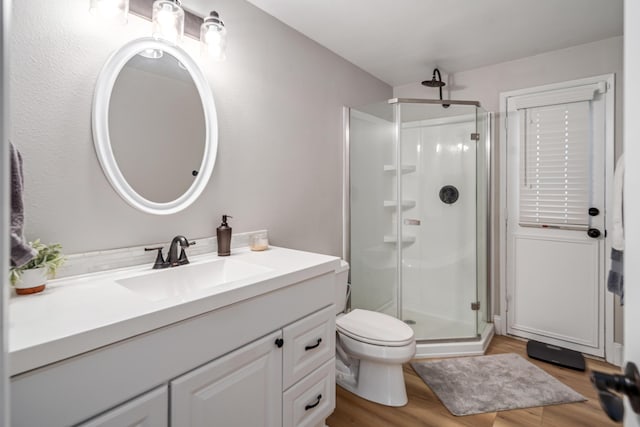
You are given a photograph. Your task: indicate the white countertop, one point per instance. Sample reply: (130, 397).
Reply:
(82, 313)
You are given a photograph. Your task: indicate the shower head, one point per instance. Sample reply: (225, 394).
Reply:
(434, 82)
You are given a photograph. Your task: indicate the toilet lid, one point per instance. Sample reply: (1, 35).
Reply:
(375, 328)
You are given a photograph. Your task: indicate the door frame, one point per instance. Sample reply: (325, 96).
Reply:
(613, 351)
(5, 18)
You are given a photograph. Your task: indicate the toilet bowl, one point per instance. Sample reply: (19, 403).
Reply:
(370, 350)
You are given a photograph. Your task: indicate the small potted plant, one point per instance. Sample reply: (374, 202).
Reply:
(31, 277)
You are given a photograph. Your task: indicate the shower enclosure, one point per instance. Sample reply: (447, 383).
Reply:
(416, 231)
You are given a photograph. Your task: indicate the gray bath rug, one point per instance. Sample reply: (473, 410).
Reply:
(474, 385)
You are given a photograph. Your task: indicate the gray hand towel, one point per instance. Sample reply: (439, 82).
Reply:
(615, 281)
(21, 252)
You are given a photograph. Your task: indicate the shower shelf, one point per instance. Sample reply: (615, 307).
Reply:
(406, 204)
(405, 168)
(394, 239)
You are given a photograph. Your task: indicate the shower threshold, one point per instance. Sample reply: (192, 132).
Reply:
(456, 347)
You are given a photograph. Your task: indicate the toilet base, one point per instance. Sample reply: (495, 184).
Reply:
(378, 382)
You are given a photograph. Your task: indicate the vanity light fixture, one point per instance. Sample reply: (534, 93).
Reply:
(213, 37)
(168, 20)
(113, 10)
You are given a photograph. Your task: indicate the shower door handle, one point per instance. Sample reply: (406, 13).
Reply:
(411, 221)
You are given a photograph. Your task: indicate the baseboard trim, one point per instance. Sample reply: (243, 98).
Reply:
(497, 324)
(617, 355)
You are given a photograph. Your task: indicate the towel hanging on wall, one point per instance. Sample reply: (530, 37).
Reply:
(21, 252)
(615, 281)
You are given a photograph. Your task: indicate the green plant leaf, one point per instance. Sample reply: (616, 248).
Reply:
(48, 256)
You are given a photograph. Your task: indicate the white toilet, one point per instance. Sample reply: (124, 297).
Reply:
(370, 350)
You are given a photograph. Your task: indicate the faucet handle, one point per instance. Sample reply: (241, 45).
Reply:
(182, 260)
(160, 262)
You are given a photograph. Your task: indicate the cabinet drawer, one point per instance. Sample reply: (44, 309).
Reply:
(311, 400)
(308, 343)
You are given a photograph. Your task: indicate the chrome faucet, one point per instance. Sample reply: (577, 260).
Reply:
(172, 256)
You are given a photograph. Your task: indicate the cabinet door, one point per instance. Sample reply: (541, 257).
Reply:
(243, 388)
(148, 410)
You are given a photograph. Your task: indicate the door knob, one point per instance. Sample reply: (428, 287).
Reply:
(612, 405)
(628, 384)
(593, 232)
(594, 211)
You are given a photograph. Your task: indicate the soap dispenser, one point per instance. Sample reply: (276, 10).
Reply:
(224, 237)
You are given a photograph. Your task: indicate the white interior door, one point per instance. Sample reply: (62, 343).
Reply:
(556, 145)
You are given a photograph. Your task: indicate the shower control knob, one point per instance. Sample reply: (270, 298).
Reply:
(593, 233)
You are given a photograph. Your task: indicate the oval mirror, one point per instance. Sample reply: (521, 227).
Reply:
(155, 128)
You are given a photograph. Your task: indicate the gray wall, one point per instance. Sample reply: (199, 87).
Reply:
(278, 95)
(485, 85)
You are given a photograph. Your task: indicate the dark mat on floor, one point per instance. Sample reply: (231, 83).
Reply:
(474, 385)
(556, 355)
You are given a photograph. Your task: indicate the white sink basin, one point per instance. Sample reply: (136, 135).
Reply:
(186, 280)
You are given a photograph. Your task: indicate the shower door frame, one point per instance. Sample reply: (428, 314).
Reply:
(346, 212)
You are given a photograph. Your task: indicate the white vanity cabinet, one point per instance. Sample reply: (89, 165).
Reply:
(267, 360)
(246, 387)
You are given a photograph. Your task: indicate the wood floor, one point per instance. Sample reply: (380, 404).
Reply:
(424, 408)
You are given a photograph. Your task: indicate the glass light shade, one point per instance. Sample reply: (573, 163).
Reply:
(112, 10)
(168, 21)
(213, 37)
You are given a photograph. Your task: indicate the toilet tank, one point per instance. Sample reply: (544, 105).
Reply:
(342, 275)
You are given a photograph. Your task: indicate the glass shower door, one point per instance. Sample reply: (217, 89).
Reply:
(372, 187)
(483, 197)
(437, 207)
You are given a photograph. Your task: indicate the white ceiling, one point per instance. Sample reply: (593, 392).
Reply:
(401, 41)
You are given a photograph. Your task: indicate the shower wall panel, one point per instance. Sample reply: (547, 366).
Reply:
(373, 261)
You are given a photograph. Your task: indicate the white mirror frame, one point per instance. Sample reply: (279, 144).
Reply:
(100, 124)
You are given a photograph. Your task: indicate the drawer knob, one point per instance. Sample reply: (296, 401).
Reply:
(313, 405)
(311, 347)
(279, 342)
